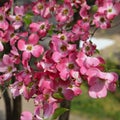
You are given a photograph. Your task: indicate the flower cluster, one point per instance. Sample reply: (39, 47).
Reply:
(52, 75)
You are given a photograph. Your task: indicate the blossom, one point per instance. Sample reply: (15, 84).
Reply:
(30, 47)
(101, 21)
(100, 82)
(3, 22)
(40, 27)
(17, 19)
(64, 13)
(66, 66)
(111, 10)
(7, 67)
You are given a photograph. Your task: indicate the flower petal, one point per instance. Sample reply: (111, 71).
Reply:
(21, 45)
(37, 51)
(33, 39)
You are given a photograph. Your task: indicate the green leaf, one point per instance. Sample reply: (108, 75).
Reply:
(58, 112)
(94, 8)
(97, 51)
(28, 18)
(58, 95)
(51, 30)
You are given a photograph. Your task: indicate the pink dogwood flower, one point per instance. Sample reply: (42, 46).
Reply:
(88, 48)
(30, 47)
(44, 9)
(61, 48)
(7, 67)
(66, 66)
(111, 10)
(64, 13)
(100, 20)
(81, 30)
(40, 27)
(100, 82)
(86, 62)
(17, 19)
(3, 22)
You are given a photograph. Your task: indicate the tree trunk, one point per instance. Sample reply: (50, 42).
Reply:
(17, 108)
(65, 104)
(8, 106)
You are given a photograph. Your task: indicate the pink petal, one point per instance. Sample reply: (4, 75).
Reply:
(3, 68)
(56, 56)
(26, 55)
(98, 91)
(1, 46)
(19, 10)
(48, 110)
(112, 86)
(68, 94)
(21, 45)
(37, 113)
(17, 24)
(4, 25)
(26, 116)
(34, 27)
(37, 50)
(33, 39)
(7, 60)
(64, 74)
(77, 91)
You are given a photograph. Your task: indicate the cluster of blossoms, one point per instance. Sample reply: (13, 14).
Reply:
(52, 75)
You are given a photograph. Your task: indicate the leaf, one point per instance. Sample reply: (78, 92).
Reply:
(94, 8)
(51, 30)
(28, 18)
(58, 112)
(58, 95)
(97, 51)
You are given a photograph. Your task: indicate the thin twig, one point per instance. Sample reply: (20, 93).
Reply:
(93, 33)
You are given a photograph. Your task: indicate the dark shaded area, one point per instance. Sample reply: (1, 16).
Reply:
(2, 2)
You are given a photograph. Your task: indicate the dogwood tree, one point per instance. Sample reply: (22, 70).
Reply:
(49, 76)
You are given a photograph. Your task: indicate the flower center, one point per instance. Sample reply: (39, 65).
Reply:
(18, 18)
(65, 12)
(12, 35)
(62, 37)
(63, 48)
(71, 66)
(29, 47)
(102, 19)
(40, 6)
(9, 68)
(87, 48)
(1, 17)
(110, 10)
(42, 27)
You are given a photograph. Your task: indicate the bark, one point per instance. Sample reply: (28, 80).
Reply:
(17, 108)
(8, 106)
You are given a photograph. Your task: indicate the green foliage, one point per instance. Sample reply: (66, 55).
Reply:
(51, 30)
(28, 18)
(94, 9)
(96, 109)
(58, 95)
(58, 112)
